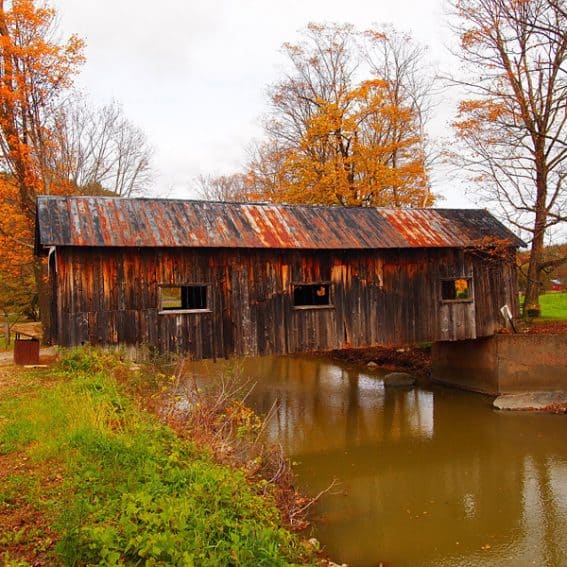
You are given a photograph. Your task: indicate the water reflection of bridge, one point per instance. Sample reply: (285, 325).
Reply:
(430, 476)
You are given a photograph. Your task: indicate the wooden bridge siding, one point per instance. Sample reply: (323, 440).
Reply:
(497, 285)
(379, 297)
(457, 319)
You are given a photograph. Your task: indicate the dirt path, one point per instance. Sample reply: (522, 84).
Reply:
(46, 356)
(11, 375)
(25, 530)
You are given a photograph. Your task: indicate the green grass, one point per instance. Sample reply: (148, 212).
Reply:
(554, 305)
(134, 493)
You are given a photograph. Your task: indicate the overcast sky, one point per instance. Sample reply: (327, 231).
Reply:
(193, 75)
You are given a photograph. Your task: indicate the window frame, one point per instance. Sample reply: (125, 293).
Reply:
(470, 281)
(330, 305)
(175, 311)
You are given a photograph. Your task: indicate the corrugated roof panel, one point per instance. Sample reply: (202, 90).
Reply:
(421, 227)
(104, 221)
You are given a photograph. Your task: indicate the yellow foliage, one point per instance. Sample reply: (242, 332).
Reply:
(362, 150)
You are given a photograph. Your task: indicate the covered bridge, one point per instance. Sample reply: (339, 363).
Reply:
(215, 279)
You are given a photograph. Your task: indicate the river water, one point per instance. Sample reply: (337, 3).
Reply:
(429, 476)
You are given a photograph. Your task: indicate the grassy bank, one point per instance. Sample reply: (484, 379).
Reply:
(91, 478)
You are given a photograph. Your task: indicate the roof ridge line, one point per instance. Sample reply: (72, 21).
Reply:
(253, 203)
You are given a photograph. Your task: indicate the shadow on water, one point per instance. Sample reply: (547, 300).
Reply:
(427, 476)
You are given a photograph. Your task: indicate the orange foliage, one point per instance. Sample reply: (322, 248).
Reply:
(34, 71)
(333, 138)
(362, 150)
(478, 116)
(17, 287)
(16, 233)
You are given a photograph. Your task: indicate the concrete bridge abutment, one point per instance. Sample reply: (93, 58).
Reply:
(503, 364)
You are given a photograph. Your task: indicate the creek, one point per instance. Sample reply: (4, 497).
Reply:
(428, 476)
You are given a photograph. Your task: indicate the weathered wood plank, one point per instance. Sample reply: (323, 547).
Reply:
(378, 297)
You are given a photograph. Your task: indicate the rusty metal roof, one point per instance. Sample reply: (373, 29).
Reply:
(107, 221)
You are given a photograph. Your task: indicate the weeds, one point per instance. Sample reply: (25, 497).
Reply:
(216, 417)
(133, 491)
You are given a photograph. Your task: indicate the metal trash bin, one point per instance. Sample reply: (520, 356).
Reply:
(26, 351)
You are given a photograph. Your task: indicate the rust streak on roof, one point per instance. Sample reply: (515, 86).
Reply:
(117, 222)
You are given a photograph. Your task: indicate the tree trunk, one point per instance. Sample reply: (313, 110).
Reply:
(44, 299)
(7, 329)
(533, 285)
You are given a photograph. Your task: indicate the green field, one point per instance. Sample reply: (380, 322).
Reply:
(554, 305)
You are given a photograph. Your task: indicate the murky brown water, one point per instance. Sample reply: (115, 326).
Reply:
(429, 476)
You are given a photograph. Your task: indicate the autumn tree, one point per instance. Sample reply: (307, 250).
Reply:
(513, 126)
(343, 127)
(51, 140)
(264, 168)
(553, 264)
(34, 71)
(409, 83)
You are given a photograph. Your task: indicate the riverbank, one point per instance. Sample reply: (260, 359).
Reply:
(88, 475)
(413, 359)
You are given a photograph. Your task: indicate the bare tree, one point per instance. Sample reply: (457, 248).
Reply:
(222, 187)
(513, 128)
(99, 149)
(410, 83)
(265, 164)
(322, 68)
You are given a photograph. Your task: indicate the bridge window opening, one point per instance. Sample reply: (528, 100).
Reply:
(312, 295)
(456, 289)
(183, 298)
